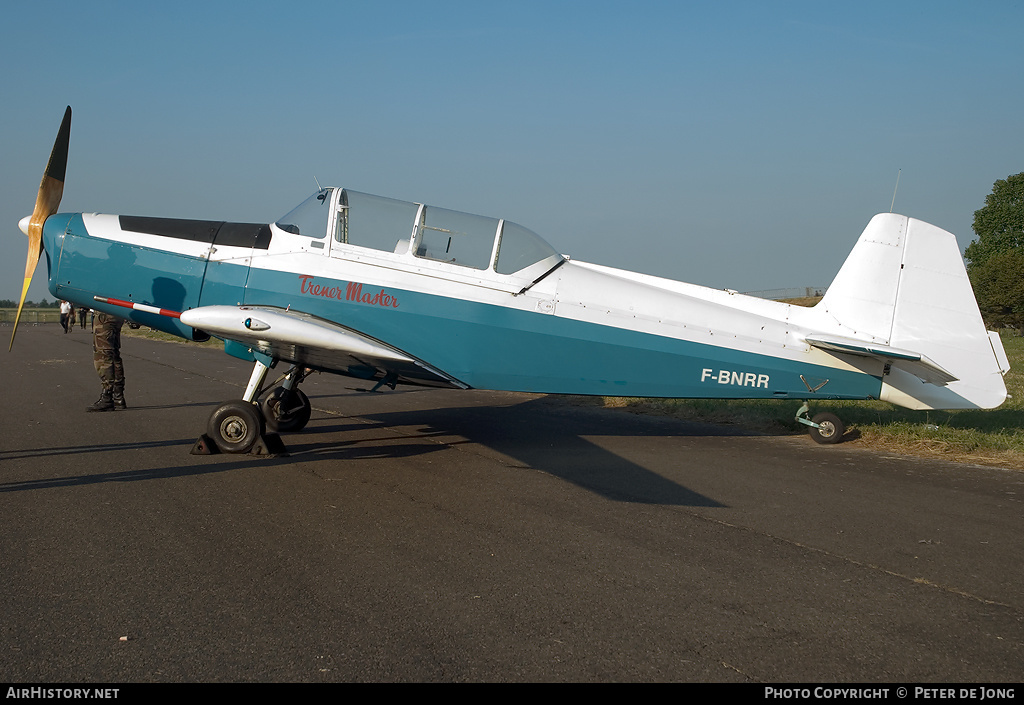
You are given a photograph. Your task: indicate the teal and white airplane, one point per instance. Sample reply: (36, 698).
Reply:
(404, 293)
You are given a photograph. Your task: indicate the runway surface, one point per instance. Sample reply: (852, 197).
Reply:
(431, 535)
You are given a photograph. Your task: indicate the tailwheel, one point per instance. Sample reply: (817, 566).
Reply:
(828, 428)
(286, 410)
(235, 426)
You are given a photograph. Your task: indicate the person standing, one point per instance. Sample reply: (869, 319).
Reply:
(82, 313)
(65, 315)
(106, 355)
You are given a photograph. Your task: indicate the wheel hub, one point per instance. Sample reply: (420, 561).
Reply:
(233, 428)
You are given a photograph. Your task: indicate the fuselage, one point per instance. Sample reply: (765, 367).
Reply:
(485, 301)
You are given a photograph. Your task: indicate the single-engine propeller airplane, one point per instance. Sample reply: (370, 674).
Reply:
(395, 292)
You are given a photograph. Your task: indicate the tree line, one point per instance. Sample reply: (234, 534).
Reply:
(8, 303)
(995, 261)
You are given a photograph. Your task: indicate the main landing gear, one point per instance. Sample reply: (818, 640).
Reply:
(251, 424)
(824, 427)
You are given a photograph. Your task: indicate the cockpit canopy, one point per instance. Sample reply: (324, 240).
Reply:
(402, 227)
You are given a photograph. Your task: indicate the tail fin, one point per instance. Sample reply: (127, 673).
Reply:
(904, 288)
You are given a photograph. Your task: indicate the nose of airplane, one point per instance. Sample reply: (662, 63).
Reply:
(23, 224)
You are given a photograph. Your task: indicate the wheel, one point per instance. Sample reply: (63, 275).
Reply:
(235, 426)
(286, 411)
(830, 429)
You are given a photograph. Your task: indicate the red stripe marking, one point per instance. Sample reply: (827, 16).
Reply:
(138, 307)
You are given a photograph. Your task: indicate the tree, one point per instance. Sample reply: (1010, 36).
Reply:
(1000, 224)
(995, 261)
(999, 287)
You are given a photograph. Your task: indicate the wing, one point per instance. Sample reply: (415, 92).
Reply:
(914, 363)
(302, 339)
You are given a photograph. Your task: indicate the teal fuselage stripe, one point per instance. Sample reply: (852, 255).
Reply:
(494, 347)
(483, 345)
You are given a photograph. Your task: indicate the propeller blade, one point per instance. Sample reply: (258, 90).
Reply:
(51, 188)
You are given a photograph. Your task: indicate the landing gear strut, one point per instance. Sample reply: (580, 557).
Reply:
(824, 428)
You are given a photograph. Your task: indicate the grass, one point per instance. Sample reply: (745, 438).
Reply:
(31, 315)
(994, 437)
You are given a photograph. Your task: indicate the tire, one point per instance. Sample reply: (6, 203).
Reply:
(235, 426)
(830, 429)
(286, 412)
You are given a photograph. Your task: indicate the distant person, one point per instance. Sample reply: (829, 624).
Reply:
(65, 315)
(106, 355)
(82, 313)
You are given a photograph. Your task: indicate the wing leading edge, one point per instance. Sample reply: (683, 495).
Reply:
(303, 339)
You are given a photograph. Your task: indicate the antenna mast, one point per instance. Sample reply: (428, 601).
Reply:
(893, 204)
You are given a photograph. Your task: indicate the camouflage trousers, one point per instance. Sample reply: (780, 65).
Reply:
(106, 351)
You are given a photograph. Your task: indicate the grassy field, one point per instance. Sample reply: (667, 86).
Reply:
(31, 315)
(985, 437)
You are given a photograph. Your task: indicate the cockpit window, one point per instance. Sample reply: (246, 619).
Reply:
(519, 248)
(376, 222)
(457, 238)
(310, 217)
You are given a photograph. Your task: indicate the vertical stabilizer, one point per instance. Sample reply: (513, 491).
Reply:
(905, 285)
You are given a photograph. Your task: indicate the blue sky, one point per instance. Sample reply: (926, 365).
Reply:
(739, 145)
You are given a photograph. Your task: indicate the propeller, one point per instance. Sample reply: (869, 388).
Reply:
(51, 188)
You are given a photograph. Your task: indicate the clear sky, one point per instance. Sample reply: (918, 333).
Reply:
(739, 145)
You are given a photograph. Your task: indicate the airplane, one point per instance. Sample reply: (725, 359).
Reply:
(396, 292)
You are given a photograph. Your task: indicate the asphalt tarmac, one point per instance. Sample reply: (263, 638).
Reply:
(439, 536)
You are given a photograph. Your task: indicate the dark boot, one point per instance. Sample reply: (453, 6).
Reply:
(104, 403)
(117, 398)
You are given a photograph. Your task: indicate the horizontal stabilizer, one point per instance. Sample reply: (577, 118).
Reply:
(914, 363)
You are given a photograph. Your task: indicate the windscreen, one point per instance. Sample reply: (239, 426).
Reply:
(310, 217)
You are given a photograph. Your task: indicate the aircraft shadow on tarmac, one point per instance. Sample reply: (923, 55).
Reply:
(542, 434)
(537, 435)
